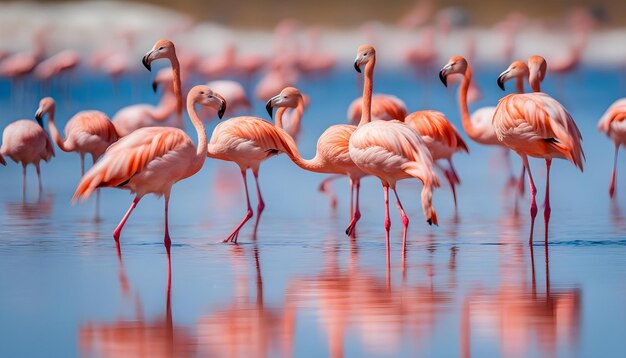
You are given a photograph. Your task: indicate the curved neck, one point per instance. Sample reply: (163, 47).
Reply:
(278, 122)
(316, 164)
(56, 136)
(368, 85)
(166, 107)
(177, 86)
(535, 83)
(519, 85)
(202, 139)
(465, 115)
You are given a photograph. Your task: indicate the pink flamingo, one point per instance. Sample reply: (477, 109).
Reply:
(332, 155)
(235, 95)
(390, 150)
(324, 62)
(442, 140)
(28, 143)
(153, 159)
(136, 116)
(536, 125)
(57, 64)
(86, 132)
(384, 108)
(23, 63)
(613, 125)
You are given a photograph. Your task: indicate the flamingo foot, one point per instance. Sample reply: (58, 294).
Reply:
(352, 226)
(235, 234)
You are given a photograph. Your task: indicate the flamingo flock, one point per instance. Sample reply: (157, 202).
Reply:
(144, 150)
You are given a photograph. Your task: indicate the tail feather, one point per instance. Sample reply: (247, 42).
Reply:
(422, 172)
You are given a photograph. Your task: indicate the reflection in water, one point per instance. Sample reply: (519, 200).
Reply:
(516, 312)
(137, 337)
(29, 219)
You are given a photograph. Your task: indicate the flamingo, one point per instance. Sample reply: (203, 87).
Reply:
(57, 64)
(166, 49)
(390, 150)
(136, 116)
(536, 125)
(384, 108)
(442, 140)
(613, 125)
(28, 143)
(234, 93)
(86, 132)
(247, 141)
(332, 155)
(153, 159)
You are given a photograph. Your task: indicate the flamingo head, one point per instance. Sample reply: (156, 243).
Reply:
(204, 96)
(518, 69)
(163, 77)
(289, 97)
(364, 54)
(161, 49)
(46, 106)
(537, 66)
(456, 65)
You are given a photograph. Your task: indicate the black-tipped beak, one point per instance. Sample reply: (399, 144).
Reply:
(443, 78)
(155, 86)
(39, 117)
(356, 67)
(430, 222)
(222, 110)
(145, 62)
(269, 108)
(501, 82)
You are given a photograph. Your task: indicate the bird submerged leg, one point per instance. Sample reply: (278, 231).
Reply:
(167, 241)
(118, 229)
(387, 219)
(233, 236)
(405, 219)
(547, 210)
(357, 211)
(614, 175)
(533, 194)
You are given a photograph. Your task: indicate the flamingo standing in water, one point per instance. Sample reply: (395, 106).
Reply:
(536, 125)
(613, 124)
(332, 155)
(390, 150)
(153, 159)
(28, 143)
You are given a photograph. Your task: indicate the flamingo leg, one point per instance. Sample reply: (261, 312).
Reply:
(39, 176)
(533, 194)
(233, 236)
(405, 219)
(357, 211)
(118, 229)
(351, 197)
(23, 181)
(450, 178)
(261, 204)
(167, 241)
(97, 193)
(387, 219)
(547, 210)
(614, 175)
(82, 164)
(520, 185)
(455, 176)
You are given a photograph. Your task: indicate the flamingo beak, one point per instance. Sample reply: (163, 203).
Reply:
(443, 77)
(222, 110)
(155, 86)
(430, 222)
(269, 107)
(501, 80)
(145, 61)
(356, 66)
(39, 117)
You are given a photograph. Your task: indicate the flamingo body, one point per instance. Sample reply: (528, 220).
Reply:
(26, 142)
(384, 108)
(441, 137)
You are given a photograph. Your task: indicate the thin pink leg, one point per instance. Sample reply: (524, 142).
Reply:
(23, 181)
(405, 219)
(450, 177)
(261, 205)
(387, 218)
(533, 194)
(82, 164)
(357, 211)
(614, 175)
(167, 241)
(118, 229)
(521, 187)
(455, 176)
(351, 197)
(233, 236)
(547, 210)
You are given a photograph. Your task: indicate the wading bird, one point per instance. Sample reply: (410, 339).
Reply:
(613, 124)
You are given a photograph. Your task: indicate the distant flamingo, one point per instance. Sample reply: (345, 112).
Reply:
(234, 94)
(136, 116)
(28, 143)
(86, 132)
(248, 141)
(57, 64)
(390, 150)
(332, 155)
(23, 63)
(384, 108)
(442, 140)
(536, 124)
(613, 124)
(166, 49)
(324, 62)
(153, 159)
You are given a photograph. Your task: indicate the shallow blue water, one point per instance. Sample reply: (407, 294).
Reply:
(470, 287)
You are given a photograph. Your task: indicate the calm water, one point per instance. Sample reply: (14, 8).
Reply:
(470, 287)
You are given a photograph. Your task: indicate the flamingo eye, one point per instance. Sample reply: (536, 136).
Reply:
(201, 92)
(284, 97)
(161, 48)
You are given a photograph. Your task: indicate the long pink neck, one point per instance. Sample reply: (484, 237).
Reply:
(177, 87)
(519, 85)
(535, 83)
(56, 136)
(368, 87)
(202, 138)
(166, 106)
(278, 122)
(465, 115)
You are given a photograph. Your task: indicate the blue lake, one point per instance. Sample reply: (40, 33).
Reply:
(470, 287)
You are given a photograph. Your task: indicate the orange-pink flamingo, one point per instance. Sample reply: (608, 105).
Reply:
(385, 107)
(26, 142)
(536, 125)
(390, 150)
(613, 124)
(332, 155)
(57, 64)
(153, 159)
(234, 94)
